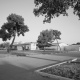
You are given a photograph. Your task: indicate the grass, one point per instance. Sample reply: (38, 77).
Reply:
(50, 52)
(68, 70)
(70, 54)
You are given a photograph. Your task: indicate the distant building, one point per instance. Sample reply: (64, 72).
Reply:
(62, 46)
(25, 46)
(31, 45)
(72, 48)
(57, 46)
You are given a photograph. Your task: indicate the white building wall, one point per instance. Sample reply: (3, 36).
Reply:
(62, 46)
(19, 47)
(33, 46)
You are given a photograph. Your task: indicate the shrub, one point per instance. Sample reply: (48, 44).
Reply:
(19, 54)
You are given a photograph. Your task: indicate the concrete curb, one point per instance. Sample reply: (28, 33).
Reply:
(54, 76)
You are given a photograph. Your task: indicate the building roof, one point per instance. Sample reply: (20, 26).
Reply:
(60, 43)
(27, 43)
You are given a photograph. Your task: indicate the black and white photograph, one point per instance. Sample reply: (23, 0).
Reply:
(39, 39)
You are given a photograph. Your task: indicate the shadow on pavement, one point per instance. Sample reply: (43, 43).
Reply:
(11, 72)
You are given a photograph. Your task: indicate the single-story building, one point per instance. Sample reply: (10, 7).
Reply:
(57, 46)
(72, 48)
(25, 46)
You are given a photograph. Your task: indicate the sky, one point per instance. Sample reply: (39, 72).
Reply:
(69, 26)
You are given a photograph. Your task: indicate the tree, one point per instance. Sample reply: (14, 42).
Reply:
(57, 34)
(6, 44)
(2, 45)
(46, 38)
(14, 26)
(54, 8)
(78, 43)
(43, 39)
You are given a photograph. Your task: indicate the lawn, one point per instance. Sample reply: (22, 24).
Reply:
(71, 54)
(69, 70)
(51, 52)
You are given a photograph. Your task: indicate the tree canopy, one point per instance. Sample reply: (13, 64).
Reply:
(46, 37)
(54, 8)
(14, 26)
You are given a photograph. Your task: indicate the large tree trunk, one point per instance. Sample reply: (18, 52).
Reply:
(58, 45)
(10, 47)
